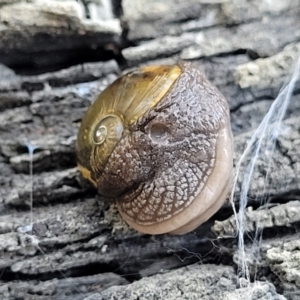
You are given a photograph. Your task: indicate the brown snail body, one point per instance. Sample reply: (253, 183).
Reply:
(158, 141)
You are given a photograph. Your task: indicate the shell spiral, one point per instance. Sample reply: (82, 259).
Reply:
(158, 141)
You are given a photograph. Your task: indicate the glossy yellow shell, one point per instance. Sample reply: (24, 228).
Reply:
(117, 107)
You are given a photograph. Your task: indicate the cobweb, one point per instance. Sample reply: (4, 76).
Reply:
(262, 143)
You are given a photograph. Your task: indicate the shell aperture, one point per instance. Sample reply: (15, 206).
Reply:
(159, 141)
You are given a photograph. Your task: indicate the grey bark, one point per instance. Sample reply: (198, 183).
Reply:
(77, 246)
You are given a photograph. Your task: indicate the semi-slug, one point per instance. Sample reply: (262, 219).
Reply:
(158, 141)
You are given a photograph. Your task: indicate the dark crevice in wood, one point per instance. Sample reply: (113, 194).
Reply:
(25, 65)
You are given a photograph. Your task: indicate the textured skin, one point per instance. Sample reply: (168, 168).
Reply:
(154, 180)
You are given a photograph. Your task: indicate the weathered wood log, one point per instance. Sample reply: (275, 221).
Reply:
(77, 245)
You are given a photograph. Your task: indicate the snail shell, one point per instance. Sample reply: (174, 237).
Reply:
(158, 140)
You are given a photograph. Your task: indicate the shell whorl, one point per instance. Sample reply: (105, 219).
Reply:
(119, 106)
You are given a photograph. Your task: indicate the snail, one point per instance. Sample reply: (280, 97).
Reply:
(158, 141)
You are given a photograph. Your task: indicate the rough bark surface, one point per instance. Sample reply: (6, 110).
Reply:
(55, 57)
